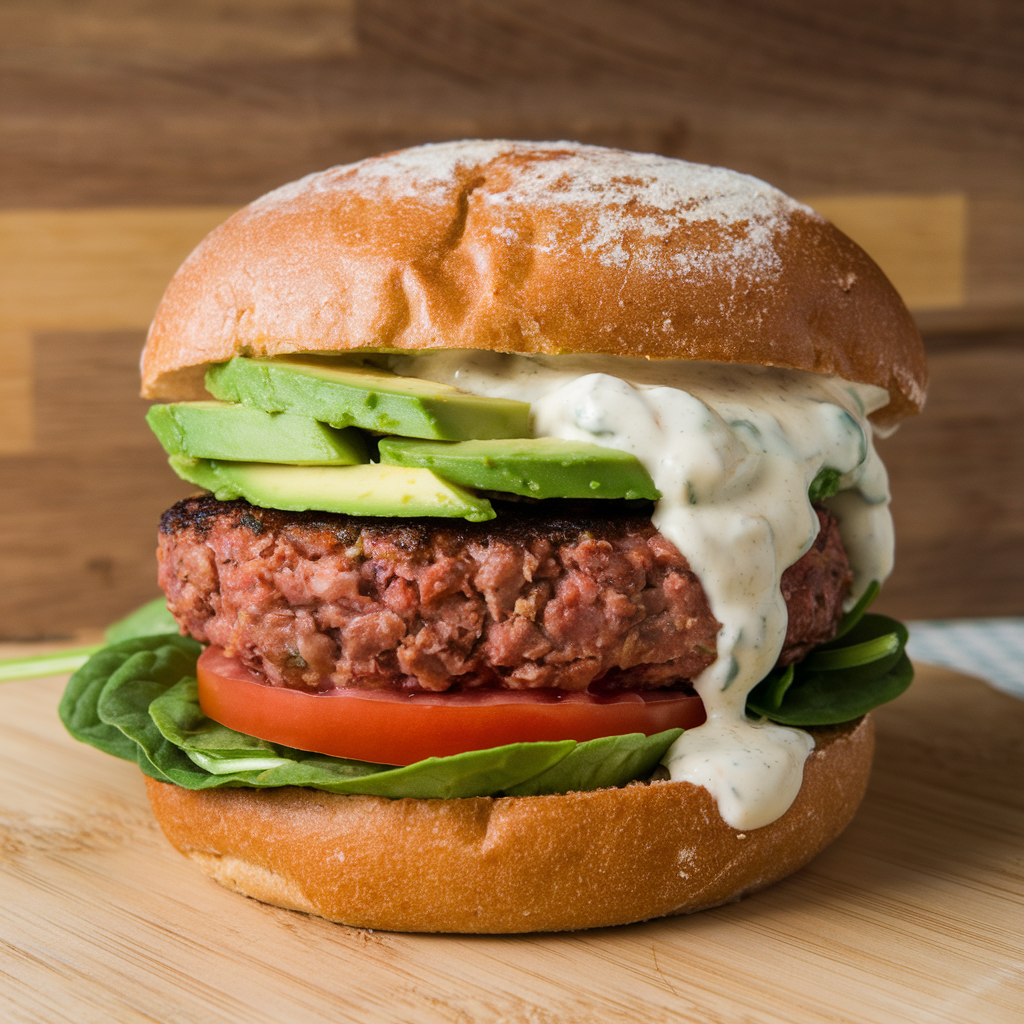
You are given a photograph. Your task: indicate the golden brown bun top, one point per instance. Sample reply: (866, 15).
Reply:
(536, 248)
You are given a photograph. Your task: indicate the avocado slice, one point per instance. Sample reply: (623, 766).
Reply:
(349, 394)
(366, 490)
(539, 467)
(217, 430)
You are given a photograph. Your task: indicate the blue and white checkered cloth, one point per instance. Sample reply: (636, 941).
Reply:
(991, 649)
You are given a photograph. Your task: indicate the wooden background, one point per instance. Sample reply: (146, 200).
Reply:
(128, 128)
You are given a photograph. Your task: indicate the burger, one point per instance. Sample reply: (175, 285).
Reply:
(539, 514)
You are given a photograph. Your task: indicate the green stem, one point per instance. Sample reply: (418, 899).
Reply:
(856, 613)
(56, 663)
(774, 697)
(853, 656)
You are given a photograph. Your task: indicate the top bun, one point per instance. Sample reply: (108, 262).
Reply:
(536, 248)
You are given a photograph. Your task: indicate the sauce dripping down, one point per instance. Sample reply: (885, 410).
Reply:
(733, 450)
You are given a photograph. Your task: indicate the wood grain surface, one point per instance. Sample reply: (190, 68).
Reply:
(127, 128)
(93, 269)
(957, 479)
(121, 103)
(914, 914)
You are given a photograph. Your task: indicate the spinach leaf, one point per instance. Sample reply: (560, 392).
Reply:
(773, 688)
(841, 680)
(475, 773)
(824, 485)
(603, 763)
(216, 748)
(856, 613)
(152, 619)
(123, 700)
(822, 699)
(51, 664)
(853, 655)
(172, 656)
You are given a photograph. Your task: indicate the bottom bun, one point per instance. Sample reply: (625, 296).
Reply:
(509, 864)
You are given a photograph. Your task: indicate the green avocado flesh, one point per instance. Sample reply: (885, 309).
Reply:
(343, 395)
(539, 467)
(217, 430)
(366, 490)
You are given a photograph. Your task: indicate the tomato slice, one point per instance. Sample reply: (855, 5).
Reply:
(389, 727)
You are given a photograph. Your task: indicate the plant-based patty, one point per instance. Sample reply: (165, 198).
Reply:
(559, 594)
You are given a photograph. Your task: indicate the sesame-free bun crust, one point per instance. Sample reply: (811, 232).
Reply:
(536, 248)
(509, 864)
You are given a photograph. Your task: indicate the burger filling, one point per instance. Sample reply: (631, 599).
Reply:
(457, 523)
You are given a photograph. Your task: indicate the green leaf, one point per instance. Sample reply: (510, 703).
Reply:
(841, 680)
(54, 664)
(152, 619)
(854, 655)
(124, 700)
(825, 699)
(824, 485)
(869, 627)
(79, 707)
(604, 763)
(214, 747)
(775, 685)
(475, 773)
(856, 613)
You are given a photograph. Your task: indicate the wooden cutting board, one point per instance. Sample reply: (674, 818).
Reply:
(915, 914)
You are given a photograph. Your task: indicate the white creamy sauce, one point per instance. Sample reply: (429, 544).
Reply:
(733, 450)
